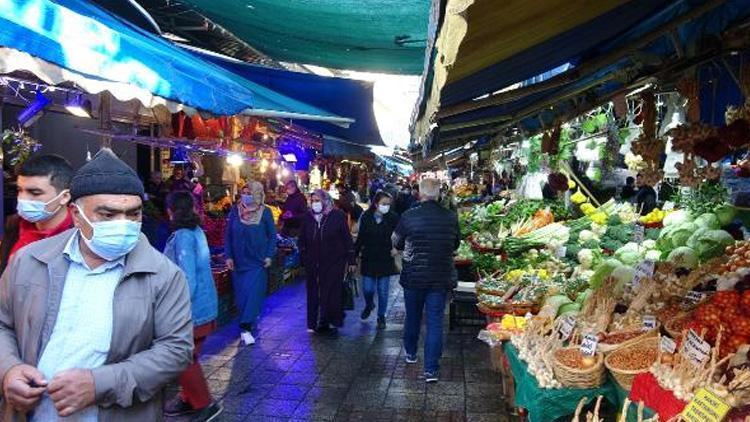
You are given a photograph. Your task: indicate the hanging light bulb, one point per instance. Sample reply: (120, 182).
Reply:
(285, 172)
(264, 162)
(234, 160)
(274, 165)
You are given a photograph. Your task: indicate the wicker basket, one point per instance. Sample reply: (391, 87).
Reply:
(579, 378)
(671, 325)
(609, 348)
(625, 377)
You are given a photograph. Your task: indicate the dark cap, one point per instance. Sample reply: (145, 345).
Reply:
(105, 174)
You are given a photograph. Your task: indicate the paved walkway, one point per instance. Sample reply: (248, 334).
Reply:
(292, 375)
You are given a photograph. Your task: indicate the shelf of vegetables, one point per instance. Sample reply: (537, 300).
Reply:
(666, 295)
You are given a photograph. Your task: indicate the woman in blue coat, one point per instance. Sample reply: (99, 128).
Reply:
(250, 246)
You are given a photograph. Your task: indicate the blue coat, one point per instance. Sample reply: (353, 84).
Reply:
(250, 245)
(188, 249)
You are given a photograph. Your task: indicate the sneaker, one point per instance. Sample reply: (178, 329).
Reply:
(211, 412)
(411, 358)
(177, 407)
(366, 312)
(247, 338)
(430, 377)
(381, 323)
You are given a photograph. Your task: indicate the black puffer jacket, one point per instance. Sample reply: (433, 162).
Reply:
(429, 236)
(374, 244)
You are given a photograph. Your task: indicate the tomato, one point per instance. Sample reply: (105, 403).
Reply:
(745, 302)
(726, 299)
(742, 326)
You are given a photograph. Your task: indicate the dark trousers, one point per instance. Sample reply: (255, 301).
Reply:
(324, 291)
(432, 302)
(192, 382)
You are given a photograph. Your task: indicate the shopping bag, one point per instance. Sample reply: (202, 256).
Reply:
(349, 291)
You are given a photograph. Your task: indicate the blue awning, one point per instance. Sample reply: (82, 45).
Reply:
(77, 41)
(344, 97)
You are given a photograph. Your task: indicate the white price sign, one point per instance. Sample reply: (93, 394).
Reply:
(567, 326)
(638, 234)
(693, 298)
(644, 270)
(696, 349)
(561, 251)
(589, 343)
(667, 345)
(649, 322)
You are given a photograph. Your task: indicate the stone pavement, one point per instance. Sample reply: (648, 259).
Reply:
(292, 375)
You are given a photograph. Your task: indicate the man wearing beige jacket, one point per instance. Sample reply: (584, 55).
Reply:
(94, 322)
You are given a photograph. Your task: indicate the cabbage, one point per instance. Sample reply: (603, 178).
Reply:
(680, 234)
(649, 244)
(629, 257)
(683, 257)
(623, 275)
(693, 239)
(725, 214)
(627, 249)
(653, 255)
(603, 271)
(712, 243)
(553, 304)
(709, 220)
(676, 218)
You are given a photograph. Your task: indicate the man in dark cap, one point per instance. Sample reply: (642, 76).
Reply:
(94, 322)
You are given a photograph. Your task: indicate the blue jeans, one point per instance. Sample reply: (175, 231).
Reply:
(432, 301)
(382, 284)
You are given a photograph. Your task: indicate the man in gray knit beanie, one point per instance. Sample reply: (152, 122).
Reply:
(112, 314)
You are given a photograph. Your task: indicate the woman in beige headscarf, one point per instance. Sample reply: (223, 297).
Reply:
(250, 246)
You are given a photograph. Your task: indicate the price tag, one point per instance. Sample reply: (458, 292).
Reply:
(644, 270)
(649, 322)
(589, 343)
(705, 407)
(567, 326)
(693, 298)
(667, 345)
(695, 349)
(561, 251)
(638, 234)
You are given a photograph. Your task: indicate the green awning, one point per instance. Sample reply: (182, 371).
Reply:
(375, 35)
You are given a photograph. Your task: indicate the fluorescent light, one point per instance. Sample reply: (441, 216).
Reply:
(291, 158)
(234, 160)
(79, 106)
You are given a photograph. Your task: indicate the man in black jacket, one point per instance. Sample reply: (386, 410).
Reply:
(428, 235)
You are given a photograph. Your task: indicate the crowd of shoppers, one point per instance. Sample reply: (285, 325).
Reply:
(94, 321)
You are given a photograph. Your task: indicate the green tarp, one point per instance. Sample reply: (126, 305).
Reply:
(372, 35)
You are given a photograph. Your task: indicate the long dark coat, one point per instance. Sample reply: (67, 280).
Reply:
(325, 249)
(374, 244)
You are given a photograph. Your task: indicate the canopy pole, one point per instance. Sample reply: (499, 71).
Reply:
(573, 176)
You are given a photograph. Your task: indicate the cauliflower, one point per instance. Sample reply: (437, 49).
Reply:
(649, 244)
(586, 258)
(586, 235)
(598, 229)
(653, 255)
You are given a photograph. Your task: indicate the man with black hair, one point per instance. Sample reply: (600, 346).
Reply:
(43, 198)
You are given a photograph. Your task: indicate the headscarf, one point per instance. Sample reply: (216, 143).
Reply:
(247, 215)
(325, 198)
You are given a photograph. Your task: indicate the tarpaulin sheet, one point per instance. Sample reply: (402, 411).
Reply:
(374, 35)
(82, 38)
(344, 97)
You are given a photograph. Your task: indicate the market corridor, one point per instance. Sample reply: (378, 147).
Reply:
(291, 375)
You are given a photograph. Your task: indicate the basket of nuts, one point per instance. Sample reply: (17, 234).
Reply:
(618, 339)
(624, 364)
(575, 370)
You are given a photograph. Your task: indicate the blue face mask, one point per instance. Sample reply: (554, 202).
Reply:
(246, 199)
(112, 239)
(36, 211)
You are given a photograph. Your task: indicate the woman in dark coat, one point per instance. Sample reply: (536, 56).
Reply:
(294, 210)
(375, 248)
(326, 248)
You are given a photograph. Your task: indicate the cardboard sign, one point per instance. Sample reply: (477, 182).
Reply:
(705, 407)
(696, 349)
(649, 322)
(566, 329)
(589, 343)
(638, 233)
(693, 298)
(667, 345)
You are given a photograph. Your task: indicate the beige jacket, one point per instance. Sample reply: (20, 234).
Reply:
(152, 337)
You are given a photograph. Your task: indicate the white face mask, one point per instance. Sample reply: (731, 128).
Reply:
(317, 207)
(384, 208)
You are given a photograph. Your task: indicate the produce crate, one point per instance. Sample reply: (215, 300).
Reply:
(463, 311)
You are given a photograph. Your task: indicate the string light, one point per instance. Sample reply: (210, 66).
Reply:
(274, 165)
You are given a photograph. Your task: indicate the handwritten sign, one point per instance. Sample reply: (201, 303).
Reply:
(567, 326)
(695, 348)
(693, 298)
(589, 343)
(649, 322)
(705, 407)
(638, 233)
(643, 271)
(667, 345)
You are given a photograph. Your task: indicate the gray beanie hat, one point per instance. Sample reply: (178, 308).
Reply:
(105, 174)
